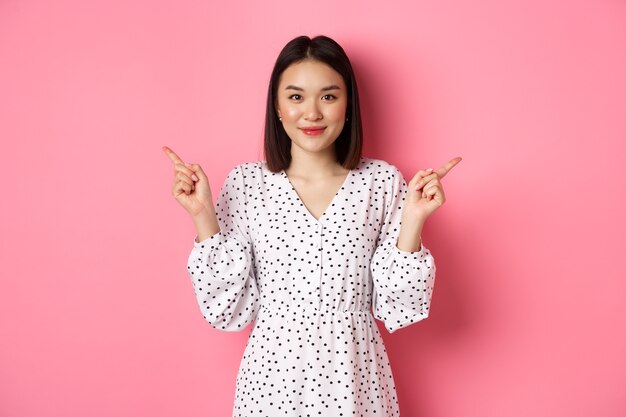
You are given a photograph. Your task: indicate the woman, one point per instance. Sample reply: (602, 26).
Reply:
(306, 242)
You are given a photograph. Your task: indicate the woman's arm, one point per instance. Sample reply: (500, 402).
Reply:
(206, 224)
(409, 239)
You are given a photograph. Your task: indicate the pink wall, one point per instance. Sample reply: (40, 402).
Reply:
(97, 314)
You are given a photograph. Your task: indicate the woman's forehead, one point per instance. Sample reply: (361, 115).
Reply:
(310, 74)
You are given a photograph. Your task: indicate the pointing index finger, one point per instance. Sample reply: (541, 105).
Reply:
(172, 155)
(448, 166)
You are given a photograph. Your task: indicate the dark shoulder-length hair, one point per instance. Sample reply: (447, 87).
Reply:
(277, 145)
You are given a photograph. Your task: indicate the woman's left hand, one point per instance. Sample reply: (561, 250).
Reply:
(425, 193)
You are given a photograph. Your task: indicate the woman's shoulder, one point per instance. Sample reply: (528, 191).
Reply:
(252, 172)
(379, 167)
(249, 166)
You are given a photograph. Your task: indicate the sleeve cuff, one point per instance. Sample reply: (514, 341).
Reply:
(209, 241)
(411, 256)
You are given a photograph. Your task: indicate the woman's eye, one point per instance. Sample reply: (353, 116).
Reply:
(295, 96)
(331, 97)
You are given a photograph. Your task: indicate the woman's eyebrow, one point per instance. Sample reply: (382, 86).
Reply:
(330, 87)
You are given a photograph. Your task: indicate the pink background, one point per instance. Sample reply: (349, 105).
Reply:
(97, 313)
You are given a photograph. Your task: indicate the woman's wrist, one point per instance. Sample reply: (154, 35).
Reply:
(206, 224)
(410, 237)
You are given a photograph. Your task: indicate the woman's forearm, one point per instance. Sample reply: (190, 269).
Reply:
(410, 237)
(206, 224)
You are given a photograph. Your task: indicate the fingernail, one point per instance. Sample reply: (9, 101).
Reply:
(194, 177)
(429, 169)
(188, 164)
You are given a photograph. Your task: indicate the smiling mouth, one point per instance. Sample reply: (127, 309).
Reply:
(312, 130)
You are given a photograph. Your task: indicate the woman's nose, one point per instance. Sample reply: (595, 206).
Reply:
(313, 112)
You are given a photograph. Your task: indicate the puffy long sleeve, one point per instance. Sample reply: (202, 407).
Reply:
(402, 281)
(221, 266)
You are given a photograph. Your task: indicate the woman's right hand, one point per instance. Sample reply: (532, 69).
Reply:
(191, 186)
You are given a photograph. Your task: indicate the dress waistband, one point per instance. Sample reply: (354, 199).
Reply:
(314, 310)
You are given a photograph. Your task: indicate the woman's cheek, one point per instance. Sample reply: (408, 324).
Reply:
(338, 111)
(291, 113)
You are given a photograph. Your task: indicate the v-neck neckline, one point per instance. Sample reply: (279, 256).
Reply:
(330, 205)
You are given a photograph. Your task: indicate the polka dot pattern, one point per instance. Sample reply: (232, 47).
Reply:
(312, 287)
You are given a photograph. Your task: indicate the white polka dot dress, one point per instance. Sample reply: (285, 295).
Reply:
(312, 287)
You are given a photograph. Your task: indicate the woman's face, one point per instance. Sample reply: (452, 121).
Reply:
(312, 95)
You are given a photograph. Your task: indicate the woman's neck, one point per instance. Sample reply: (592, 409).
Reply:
(313, 164)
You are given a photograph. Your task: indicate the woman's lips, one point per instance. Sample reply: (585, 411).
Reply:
(312, 131)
